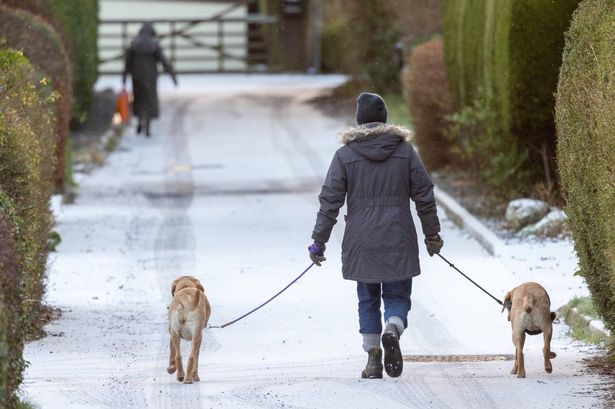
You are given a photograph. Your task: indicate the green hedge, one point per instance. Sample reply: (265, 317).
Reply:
(27, 160)
(503, 58)
(80, 21)
(416, 20)
(359, 39)
(77, 20)
(427, 92)
(585, 118)
(11, 341)
(44, 49)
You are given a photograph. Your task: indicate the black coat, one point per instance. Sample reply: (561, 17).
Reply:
(142, 58)
(378, 173)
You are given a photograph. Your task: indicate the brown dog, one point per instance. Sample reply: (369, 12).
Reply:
(529, 311)
(189, 312)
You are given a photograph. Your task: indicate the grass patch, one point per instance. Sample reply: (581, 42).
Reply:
(585, 306)
(576, 314)
(398, 110)
(584, 335)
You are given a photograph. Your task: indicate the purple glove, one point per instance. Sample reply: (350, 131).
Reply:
(317, 253)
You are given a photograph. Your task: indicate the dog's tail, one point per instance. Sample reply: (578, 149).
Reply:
(528, 303)
(181, 316)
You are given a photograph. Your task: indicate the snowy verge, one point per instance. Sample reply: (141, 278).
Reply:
(591, 329)
(462, 218)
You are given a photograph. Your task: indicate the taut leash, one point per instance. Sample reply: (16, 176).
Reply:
(472, 281)
(263, 304)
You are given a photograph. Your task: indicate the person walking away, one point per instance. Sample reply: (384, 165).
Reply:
(141, 62)
(377, 173)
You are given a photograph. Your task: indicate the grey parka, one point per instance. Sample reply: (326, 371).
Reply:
(378, 173)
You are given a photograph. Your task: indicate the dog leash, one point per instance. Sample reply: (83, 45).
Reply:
(472, 281)
(263, 304)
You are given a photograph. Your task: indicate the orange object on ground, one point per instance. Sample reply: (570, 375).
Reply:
(121, 106)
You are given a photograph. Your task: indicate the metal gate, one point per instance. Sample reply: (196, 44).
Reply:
(230, 39)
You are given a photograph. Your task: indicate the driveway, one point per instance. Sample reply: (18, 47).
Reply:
(226, 190)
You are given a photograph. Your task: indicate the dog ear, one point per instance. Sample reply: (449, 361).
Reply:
(199, 285)
(173, 287)
(507, 301)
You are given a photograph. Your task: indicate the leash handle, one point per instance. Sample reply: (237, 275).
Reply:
(472, 281)
(263, 304)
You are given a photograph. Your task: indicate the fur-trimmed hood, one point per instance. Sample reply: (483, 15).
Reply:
(373, 129)
(375, 141)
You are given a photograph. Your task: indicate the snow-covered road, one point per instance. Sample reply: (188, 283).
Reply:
(226, 190)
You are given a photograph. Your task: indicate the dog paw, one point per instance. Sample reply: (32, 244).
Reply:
(187, 381)
(552, 355)
(180, 378)
(196, 378)
(549, 369)
(513, 371)
(520, 375)
(171, 369)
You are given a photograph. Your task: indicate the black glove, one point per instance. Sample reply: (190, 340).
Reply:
(317, 253)
(434, 243)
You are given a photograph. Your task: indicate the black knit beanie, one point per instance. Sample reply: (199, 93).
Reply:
(371, 108)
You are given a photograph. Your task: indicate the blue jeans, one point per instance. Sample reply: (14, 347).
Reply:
(397, 303)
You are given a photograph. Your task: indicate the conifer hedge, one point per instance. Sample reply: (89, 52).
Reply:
(359, 39)
(77, 21)
(585, 118)
(503, 59)
(27, 160)
(11, 341)
(429, 99)
(44, 48)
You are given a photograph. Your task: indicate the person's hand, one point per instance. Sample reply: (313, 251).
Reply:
(434, 244)
(317, 253)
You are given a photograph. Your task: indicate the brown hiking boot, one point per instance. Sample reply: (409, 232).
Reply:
(373, 369)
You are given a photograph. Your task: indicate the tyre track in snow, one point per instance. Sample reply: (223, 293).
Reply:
(174, 247)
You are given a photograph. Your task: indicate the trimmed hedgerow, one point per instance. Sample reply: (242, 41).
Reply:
(77, 20)
(44, 49)
(417, 20)
(502, 59)
(464, 26)
(11, 341)
(359, 39)
(429, 99)
(27, 143)
(585, 119)
(27, 160)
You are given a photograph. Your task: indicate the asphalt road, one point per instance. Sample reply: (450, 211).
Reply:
(226, 190)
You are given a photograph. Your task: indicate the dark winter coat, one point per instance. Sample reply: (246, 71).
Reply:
(378, 173)
(142, 58)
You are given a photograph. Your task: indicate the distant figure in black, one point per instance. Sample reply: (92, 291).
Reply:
(142, 58)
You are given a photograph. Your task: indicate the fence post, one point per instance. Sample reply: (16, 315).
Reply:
(220, 45)
(173, 45)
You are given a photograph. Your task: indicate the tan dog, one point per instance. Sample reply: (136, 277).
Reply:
(189, 312)
(529, 311)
